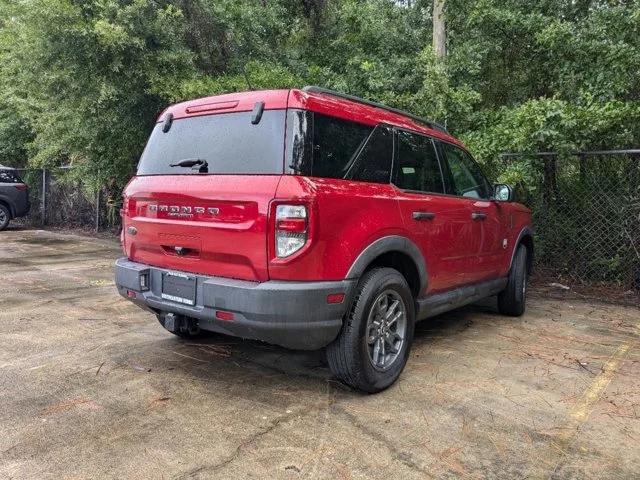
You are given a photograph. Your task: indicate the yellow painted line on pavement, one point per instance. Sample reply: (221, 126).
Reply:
(581, 411)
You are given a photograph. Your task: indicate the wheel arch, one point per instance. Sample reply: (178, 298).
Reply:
(397, 252)
(9, 207)
(525, 238)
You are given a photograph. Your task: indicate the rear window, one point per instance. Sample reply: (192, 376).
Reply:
(229, 143)
(329, 147)
(7, 176)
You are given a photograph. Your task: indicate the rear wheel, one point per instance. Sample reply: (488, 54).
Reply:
(5, 217)
(512, 300)
(373, 346)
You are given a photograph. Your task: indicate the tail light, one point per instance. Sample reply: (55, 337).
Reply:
(123, 212)
(129, 206)
(123, 241)
(291, 229)
(21, 186)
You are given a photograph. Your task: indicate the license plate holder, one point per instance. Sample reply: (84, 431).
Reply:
(179, 288)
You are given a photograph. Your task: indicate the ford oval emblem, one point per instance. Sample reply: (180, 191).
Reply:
(132, 230)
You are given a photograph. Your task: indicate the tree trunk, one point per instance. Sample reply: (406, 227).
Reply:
(439, 32)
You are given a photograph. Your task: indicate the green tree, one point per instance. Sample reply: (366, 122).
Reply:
(84, 80)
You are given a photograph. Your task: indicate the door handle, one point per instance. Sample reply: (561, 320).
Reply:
(478, 216)
(424, 215)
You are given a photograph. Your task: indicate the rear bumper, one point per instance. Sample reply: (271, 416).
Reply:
(292, 314)
(22, 206)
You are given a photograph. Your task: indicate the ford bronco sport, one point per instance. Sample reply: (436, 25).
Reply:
(312, 219)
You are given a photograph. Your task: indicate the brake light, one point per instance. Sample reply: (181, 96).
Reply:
(291, 229)
(21, 186)
(129, 206)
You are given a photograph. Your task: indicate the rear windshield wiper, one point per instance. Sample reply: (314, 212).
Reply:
(192, 162)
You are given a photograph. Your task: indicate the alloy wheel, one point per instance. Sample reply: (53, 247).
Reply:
(386, 329)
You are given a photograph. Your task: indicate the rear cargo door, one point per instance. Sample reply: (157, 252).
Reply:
(212, 224)
(208, 212)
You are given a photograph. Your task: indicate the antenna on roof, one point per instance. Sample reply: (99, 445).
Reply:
(353, 98)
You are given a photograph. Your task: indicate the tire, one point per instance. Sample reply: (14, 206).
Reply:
(352, 356)
(183, 327)
(5, 217)
(512, 300)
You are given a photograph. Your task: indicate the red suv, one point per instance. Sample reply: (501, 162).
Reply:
(310, 219)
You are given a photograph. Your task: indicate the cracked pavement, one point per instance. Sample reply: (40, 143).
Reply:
(93, 387)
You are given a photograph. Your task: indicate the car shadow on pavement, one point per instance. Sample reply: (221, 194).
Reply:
(16, 228)
(453, 322)
(255, 363)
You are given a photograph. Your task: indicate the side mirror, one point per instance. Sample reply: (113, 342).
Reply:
(502, 192)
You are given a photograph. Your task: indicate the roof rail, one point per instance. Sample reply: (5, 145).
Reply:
(353, 98)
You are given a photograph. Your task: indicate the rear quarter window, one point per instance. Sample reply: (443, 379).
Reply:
(330, 147)
(336, 145)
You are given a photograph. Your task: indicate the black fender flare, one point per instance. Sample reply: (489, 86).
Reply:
(525, 232)
(390, 243)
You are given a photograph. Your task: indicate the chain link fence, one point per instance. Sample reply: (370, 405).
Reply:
(61, 199)
(586, 212)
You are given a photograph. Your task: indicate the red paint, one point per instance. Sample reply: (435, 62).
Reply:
(231, 244)
(359, 112)
(343, 217)
(244, 102)
(208, 107)
(317, 102)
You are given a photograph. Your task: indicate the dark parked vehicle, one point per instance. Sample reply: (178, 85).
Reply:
(14, 197)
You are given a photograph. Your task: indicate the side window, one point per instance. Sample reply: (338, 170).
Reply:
(466, 176)
(336, 145)
(418, 167)
(299, 141)
(374, 161)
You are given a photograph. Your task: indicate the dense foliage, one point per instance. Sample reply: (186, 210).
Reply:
(82, 81)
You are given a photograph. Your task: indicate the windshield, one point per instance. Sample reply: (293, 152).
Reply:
(229, 143)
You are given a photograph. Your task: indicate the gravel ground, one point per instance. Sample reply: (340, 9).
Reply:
(92, 387)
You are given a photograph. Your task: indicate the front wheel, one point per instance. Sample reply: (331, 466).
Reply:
(512, 300)
(373, 346)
